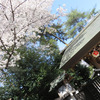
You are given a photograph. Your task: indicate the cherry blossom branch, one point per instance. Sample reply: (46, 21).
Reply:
(4, 46)
(13, 48)
(3, 11)
(20, 4)
(12, 10)
(42, 2)
(6, 16)
(32, 23)
(11, 25)
(12, 51)
(2, 5)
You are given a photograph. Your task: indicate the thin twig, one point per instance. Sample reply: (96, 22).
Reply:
(12, 10)
(3, 11)
(30, 24)
(20, 5)
(4, 46)
(6, 16)
(13, 48)
(59, 39)
(42, 2)
(2, 5)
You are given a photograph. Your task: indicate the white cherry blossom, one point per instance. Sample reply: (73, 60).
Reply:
(20, 19)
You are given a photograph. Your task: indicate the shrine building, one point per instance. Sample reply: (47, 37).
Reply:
(86, 46)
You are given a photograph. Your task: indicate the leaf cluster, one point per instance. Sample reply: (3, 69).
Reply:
(30, 78)
(76, 21)
(81, 75)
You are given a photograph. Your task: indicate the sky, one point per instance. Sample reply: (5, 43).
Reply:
(81, 5)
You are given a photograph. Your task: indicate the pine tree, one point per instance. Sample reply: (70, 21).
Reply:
(76, 21)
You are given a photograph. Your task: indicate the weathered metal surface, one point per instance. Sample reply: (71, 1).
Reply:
(86, 39)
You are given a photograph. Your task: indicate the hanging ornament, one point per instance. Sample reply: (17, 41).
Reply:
(95, 54)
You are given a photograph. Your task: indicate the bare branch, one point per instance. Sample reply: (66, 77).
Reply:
(8, 60)
(6, 16)
(12, 51)
(3, 11)
(11, 5)
(20, 4)
(12, 10)
(13, 48)
(42, 2)
(4, 46)
(2, 5)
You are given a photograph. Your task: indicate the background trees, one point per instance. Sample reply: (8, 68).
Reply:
(76, 21)
(30, 78)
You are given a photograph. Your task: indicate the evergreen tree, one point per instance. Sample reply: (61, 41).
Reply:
(76, 21)
(30, 78)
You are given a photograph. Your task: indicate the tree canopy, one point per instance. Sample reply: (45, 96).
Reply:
(20, 21)
(76, 21)
(30, 78)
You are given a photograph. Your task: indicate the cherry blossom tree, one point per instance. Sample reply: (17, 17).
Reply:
(19, 19)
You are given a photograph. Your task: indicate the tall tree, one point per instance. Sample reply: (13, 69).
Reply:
(30, 78)
(19, 21)
(76, 21)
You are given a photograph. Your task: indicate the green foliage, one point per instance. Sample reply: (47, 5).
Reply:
(92, 13)
(30, 78)
(76, 21)
(81, 75)
(51, 32)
